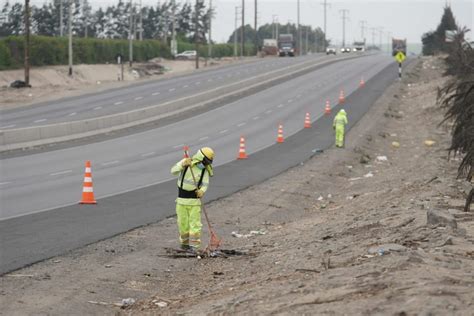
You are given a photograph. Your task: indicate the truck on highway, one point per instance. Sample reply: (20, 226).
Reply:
(286, 45)
(358, 46)
(399, 45)
(270, 46)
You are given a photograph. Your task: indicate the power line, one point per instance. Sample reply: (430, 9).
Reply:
(325, 4)
(363, 27)
(344, 18)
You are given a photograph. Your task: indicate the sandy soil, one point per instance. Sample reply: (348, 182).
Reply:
(52, 82)
(345, 233)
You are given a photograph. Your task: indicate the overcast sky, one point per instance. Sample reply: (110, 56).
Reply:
(403, 18)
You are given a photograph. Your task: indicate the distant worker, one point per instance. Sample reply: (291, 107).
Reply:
(193, 181)
(339, 124)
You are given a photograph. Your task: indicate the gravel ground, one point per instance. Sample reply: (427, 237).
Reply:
(345, 233)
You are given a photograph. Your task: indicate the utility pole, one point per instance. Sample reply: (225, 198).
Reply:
(196, 33)
(236, 19)
(174, 46)
(325, 4)
(140, 30)
(256, 31)
(306, 46)
(27, 44)
(273, 26)
(373, 29)
(363, 26)
(300, 46)
(344, 18)
(242, 32)
(380, 29)
(389, 37)
(61, 18)
(288, 27)
(130, 36)
(209, 45)
(70, 37)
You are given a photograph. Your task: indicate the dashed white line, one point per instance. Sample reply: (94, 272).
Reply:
(298, 96)
(290, 100)
(185, 86)
(110, 163)
(39, 121)
(8, 126)
(178, 146)
(98, 108)
(203, 138)
(138, 98)
(148, 154)
(171, 90)
(3, 183)
(60, 173)
(256, 117)
(118, 103)
(224, 131)
(268, 112)
(198, 83)
(280, 106)
(241, 124)
(209, 80)
(72, 114)
(155, 93)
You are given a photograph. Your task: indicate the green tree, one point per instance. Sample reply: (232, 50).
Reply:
(434, 42)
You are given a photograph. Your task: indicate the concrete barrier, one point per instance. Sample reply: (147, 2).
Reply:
(47, 134)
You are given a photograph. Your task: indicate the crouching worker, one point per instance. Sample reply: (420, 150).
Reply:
(193, 182)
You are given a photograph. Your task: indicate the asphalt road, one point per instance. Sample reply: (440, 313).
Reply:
(138, 165)
(141, 94)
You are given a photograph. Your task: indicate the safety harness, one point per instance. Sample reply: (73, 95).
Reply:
(189, 194)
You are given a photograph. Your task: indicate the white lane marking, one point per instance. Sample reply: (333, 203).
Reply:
(3, 183)
(72, 114)
(256, 117)
(110, 163)
(268, 112)
(209, 80)
(224, 131)
(241, 124)
(8, 126)
(138, 98)
(185, 86)
(148, 154)
(171, 90)
(290, 100)
(219, 78)
(98, 108)
(298, 96)
(178, 146)
(203, 138)
(280, 106)
(155, 93)
(39, 121)
(60, 173)
(118, 103)
(198, 83)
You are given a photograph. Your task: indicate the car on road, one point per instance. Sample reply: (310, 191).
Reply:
(345, 49)
(331, 50)
(188, 54)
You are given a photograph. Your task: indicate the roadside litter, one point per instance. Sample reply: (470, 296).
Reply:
(429, 143)
(381, 158)
(251, 234)
(201, 254)
(396, 144)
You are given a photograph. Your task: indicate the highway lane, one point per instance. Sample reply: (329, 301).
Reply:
(141, 94)
(53, 179)
(27, 239)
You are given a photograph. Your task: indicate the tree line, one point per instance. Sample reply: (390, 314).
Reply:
(112, 22)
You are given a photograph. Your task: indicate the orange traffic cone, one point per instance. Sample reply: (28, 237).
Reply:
(362, 82)
(307, 121)
(342, 99)
(186, 150)
(327, 109)
(87, 191)
(280, 138)
(242, 153)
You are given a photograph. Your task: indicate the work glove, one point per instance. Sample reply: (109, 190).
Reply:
(199, 193)
(186, 162)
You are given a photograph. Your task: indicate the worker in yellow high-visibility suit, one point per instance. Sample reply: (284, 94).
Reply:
(339, 124)
(190, 191)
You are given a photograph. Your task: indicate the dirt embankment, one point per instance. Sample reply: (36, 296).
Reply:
(344, 233)
(53, 82)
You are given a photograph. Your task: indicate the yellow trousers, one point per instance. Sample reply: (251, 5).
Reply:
(189, 225)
